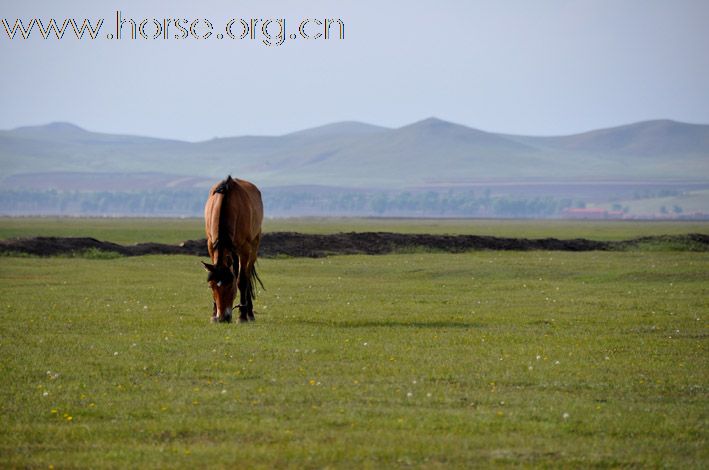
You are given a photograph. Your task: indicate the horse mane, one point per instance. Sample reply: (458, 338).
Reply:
(223, 241)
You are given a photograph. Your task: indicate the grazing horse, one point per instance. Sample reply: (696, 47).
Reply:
(233, 215)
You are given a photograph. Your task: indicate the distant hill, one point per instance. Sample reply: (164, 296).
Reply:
(644, 139)
(340, 129)
(431, 152)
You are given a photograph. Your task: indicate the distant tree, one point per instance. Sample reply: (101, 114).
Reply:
(379, 203)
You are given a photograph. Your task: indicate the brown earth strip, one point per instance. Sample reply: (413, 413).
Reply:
(275, 244)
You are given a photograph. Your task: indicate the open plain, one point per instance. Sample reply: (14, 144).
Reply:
(535, 358)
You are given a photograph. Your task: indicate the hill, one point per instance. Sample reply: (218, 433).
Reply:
(644, 139)
(431, 152)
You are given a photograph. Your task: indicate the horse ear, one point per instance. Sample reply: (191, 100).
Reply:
(208, 267)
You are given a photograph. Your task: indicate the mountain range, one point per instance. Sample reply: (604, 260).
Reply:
(431, 152)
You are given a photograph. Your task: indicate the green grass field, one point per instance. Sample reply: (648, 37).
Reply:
(178, 230)
(428, 360)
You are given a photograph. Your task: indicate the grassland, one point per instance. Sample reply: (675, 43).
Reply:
(177, 230)
(425, 360)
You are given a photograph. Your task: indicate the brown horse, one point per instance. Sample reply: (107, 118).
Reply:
(233, 216)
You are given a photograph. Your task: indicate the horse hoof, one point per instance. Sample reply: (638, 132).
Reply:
(214, 320)
(227, 319)
(243, 319)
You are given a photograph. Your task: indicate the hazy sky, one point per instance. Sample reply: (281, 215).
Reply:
(526, 67)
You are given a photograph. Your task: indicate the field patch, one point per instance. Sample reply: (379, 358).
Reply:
(475, 359)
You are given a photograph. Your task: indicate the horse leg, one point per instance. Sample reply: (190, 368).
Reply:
(253, 253)
(243, 282)
(249, 289)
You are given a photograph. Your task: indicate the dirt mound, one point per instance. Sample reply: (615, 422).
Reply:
(376, 243)
(371, 243)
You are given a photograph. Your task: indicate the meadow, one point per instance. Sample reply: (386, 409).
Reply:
(595, 359)
(134, 230)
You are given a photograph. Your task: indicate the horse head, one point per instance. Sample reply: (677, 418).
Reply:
(222, 281)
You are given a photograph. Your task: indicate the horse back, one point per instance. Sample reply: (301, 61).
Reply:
(248, 205)
(234, 209)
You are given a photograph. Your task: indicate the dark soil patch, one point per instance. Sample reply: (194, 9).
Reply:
(275, 244)
(376, 243)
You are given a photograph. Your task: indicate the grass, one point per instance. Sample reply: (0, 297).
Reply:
(122, 231)
(174, 231)
(424, 360)
(515, 228)
(663, 244)
(89, 253)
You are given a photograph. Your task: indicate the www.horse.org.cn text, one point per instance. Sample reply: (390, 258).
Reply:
(268, 31)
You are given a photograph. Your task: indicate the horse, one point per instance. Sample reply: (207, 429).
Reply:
(232, 216)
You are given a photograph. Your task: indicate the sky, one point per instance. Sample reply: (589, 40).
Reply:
(544, 67)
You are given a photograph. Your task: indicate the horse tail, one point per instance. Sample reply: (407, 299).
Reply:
(223, 185)
(254, 275)
(250, 278)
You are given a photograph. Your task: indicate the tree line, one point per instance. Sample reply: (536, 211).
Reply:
(285, 202)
